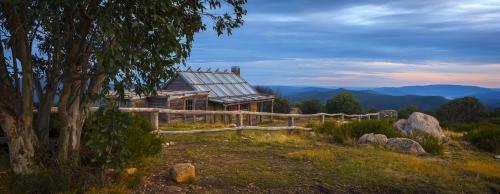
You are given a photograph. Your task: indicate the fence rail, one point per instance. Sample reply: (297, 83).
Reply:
(238, 129)
(154, 114)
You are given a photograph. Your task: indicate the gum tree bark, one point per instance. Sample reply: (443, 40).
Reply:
(16, 106)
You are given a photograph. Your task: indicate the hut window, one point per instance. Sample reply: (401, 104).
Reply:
(189, 104)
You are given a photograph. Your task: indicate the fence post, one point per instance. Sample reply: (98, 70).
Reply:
(378, 116)
(291, 121)
(154, 119)
(342, 118)
(240, 119)
(359, 117)
(322, 118)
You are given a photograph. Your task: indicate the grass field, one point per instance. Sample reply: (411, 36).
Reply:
(278, 162)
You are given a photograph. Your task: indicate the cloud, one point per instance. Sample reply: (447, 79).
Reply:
(361, 43)
(361, 72)
(437, 15)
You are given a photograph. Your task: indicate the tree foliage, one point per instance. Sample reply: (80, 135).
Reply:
(343, 103)
(462, 110)
(404, 113)
(281, 104)
(310, 106)
(80, 50)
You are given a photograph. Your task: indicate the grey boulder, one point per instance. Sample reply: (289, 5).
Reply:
(420, 123)
(404, 145)
(373, 139)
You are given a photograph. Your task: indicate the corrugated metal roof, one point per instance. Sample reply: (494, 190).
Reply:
(219, 84)
(236, 99)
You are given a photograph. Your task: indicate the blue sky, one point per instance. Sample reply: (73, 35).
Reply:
(360, 43)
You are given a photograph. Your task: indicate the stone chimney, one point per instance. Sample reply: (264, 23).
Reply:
(236, 70)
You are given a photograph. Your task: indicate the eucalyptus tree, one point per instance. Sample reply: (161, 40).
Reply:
(79, 50)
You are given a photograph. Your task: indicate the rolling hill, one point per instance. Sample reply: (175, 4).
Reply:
(489, 96)
(367, 99)
(425, 97)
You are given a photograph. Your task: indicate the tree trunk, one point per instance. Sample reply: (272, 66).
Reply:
(72, 119)
(43, 121)
(22, 144)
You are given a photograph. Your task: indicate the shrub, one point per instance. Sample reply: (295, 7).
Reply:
(430, 143)
(407, 111)
(485, 137)
(328, 127)
(344, 134)
(357, 129)
(310, 106)
(113, 139)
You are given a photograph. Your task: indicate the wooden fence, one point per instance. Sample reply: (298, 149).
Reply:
(154, 114)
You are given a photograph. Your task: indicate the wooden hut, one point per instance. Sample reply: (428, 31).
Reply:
(227, 90)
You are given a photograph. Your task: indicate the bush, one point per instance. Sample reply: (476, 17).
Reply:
(485, 137)
(310, 106)
(372, 126)
(344, 134)
(462, 110)
(113, 139)
(430, 143)
(404, 113)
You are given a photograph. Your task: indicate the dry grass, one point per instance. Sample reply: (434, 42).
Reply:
(453, 134)
(482, 168)
(178, 126)
(256, 162)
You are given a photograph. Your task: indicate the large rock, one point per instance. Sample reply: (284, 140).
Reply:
(373, 139)
(183, 173)
(420, 123)
(404, 145)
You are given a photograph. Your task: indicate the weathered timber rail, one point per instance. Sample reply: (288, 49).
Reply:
(154, 114)
(238, 129)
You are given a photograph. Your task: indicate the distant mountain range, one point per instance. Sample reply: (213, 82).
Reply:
(425, 97)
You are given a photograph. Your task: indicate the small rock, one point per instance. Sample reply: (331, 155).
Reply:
(424, 155)
(404, 145)
(267, 136)
(466, 145)
(173, 189)
(311, 134)
(497, 157)
(172, 143)
(131, 171)
(373, 139)
(445, 139)
(232, 125)
(183, 173)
